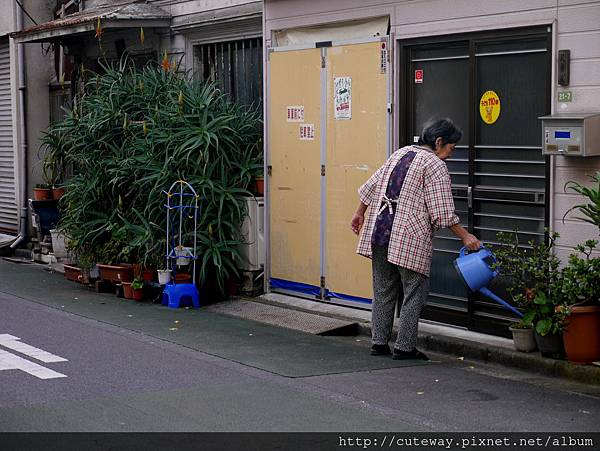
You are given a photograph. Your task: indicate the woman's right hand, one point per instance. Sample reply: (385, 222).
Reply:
(357, 221)
(471, 242)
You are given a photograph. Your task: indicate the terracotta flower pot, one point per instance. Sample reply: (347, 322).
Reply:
(116, 274)
(57, 193)
(183, 277)
(581, 335)
(127, 290)
(148, 275)
(42, 194)
(72, 273)
(138, 294)
(259, 186)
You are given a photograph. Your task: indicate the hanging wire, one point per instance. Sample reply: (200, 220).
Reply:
(25, 11)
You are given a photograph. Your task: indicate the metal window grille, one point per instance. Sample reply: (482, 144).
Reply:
(236, 66)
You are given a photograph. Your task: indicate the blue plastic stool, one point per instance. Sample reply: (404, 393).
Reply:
(174, 293)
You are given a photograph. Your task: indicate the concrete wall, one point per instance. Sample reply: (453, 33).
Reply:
(7, 18)
(576, 26)
(39, 71)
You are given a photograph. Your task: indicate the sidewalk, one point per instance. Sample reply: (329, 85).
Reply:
(452, 340)
(433, 337)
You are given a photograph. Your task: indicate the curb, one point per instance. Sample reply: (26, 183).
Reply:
(531, 362)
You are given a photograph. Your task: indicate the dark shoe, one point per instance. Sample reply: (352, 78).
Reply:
(415, 354)
(380, 350)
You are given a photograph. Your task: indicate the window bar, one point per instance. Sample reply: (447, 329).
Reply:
(236, 86)
(230, 69)
(245, 72)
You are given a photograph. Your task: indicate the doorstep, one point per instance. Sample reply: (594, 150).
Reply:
(447, 339)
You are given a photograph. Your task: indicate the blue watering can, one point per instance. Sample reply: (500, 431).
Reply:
(475, 270)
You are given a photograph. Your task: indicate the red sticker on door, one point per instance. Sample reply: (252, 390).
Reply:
(419, 76)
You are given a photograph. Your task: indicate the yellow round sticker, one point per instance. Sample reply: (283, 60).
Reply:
(489, 107)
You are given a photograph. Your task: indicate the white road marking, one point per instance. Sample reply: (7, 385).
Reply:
(10, 361)
(12, 342)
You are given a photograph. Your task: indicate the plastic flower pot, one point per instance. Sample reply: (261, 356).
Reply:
(148, 275)
(183, 253)
(550, 345)
(581, 335)
(523, 339)
(164, 276)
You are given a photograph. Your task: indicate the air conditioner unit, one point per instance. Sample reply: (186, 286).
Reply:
(252, 251)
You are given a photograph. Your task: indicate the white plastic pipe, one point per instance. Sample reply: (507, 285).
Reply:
(22, 160)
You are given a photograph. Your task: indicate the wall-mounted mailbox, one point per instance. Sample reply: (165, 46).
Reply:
(571, 134)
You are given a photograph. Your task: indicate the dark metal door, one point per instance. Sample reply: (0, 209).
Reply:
(494, 87)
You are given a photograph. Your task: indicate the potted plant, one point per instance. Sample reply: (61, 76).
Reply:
(532, 273)
(137, 287)
(85, 261)
(580, 288)
(121, 166)
(111, 254)
(53, 161)
(580, 292)
(523, 336)
(547, 318)
(259, 185)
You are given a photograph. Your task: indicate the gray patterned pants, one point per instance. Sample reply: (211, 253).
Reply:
(391, 283)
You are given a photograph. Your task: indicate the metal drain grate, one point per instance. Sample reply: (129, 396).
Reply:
(283, 317)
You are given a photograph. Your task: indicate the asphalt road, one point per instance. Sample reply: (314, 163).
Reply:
(97, 375)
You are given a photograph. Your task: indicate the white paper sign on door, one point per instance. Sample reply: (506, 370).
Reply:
(307, 132)
(342, 97)
(295, 113)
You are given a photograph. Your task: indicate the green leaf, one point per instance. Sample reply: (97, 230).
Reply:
(543, 326)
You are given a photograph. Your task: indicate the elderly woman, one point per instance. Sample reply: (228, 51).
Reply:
(408, 198)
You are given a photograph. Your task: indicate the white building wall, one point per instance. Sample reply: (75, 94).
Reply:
(578, 29)
(576, 25)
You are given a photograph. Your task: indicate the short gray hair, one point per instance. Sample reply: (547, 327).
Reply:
(440, 128)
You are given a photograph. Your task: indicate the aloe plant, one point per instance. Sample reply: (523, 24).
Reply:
(590, 210)
(129, 135)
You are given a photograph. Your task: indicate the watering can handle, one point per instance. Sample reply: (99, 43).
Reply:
(464, 249)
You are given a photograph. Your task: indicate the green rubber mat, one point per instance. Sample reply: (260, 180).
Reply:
(282, 351)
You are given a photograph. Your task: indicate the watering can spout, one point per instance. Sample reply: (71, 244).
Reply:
(491, 295)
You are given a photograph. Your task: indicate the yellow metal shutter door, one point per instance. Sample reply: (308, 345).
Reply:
(294, 186)
(356, 147)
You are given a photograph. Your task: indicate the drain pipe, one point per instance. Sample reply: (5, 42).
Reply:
(23, 138)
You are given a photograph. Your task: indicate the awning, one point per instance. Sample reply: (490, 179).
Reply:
(123, 15)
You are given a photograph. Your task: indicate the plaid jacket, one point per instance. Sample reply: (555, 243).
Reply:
(425, 205)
